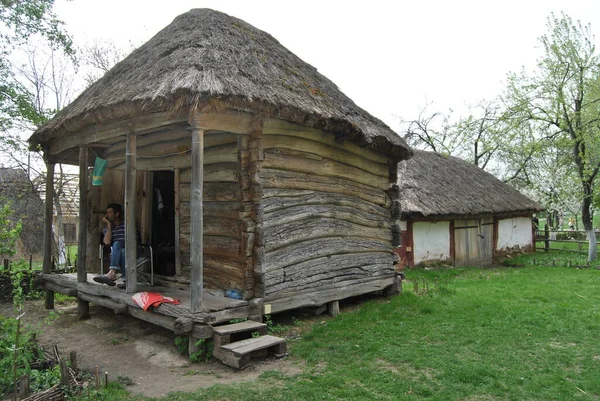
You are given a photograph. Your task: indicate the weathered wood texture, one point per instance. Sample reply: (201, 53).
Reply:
(222, 226)
(326, 218)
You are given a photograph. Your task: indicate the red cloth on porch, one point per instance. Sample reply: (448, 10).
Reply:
(147, 299)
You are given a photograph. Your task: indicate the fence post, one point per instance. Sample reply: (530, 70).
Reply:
(547, 238)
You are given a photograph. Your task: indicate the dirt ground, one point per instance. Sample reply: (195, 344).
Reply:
(127, 347)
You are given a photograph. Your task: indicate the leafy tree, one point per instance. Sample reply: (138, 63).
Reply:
(20, 20)
(560, 101)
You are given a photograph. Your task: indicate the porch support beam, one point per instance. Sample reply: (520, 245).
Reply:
(130, 208)
(177, 177)
(196, 251)
(47, 264)
(83, 306)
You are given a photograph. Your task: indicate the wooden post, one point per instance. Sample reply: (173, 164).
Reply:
(333, 308)
(83, 307)
(177, 177)
(130, 187)
(547, 238)
(47, 266)
(196, 252)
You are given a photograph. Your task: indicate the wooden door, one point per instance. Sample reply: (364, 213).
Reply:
(486, 242)
(473, 241)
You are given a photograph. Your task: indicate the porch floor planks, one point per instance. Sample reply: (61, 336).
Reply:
(210, 303)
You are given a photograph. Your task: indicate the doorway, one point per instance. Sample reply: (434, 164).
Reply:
(473, 242)
(163, 222)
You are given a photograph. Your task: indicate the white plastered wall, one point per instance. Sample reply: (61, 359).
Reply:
(431, 241)
(514, 231)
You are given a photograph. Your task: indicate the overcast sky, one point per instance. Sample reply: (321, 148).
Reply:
(390, 57)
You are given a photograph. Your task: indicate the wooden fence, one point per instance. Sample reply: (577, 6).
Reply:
(575, 237)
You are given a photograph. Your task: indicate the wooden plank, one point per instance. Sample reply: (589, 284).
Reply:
(196, 243)
(293, 214)
(49, 286)
(276, 199)
(220, 171)
(275, 126)
(116, 128)
(48, 217)
(228, 210)
(130, 210)
(281, 179)
(233, 328)
(221, 226)
(323, 150)
(252, 344)
(215, 191)
(321, 247)
(303, 230)
(316, 297)
(233, 121)
(177, 181)
(324, 168)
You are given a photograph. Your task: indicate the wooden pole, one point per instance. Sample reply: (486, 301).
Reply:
(47, 265)
(177, 177)
(130, 187)
(547, 237)
(196, 254)
(83, 307)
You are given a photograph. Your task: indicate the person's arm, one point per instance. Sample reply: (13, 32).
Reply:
(108, 235)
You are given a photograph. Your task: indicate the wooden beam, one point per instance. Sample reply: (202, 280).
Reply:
(196, 258)
(130, 209)
(177, 179)
(83, 214)
(97, 133)
(47, 266)
(83, 306)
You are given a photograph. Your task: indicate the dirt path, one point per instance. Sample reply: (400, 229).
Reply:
(139, 351)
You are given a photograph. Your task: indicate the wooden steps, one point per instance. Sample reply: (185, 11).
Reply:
(238, 343)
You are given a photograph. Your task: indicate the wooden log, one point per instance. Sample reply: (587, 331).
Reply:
(283, 128)
(176, 135)
(324, 168)
(83, 214)
(220, 226)
(215, 191)
(48, 217)
(73, 361)
(24, 388)
(196, 199)
(338, 263)
(281, 235)
(228, 210)
(130, 210)
(217, 172)
(276, 199)
(320, 247)
(293, 214)
(116, 128)
(177, 201)
(315, 297)
(49, 286)
(306, 147)
(202, 331)
(333, 308)
(162, 145)
(183, 325)
(280, 179)
(117, 307)
(234, 121)
(215, 245)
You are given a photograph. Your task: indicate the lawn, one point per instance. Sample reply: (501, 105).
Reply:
(525, 332)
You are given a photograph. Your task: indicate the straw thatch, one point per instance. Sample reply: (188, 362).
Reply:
(26, 205)
(434, 185)
(205, 55)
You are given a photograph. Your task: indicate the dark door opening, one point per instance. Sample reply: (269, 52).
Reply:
(163, 222)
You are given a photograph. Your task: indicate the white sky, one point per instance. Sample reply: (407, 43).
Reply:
(390, 57)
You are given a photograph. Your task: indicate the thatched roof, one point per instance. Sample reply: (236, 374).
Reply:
(205, 54)
(433, 185)
(26, 205)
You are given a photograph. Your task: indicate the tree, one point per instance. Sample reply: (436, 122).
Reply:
(561, 102)
(21, 20)
(432, 131)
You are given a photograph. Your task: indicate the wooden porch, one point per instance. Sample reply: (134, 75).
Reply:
(216, 309)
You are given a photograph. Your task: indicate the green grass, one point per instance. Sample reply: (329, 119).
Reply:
(524, 332)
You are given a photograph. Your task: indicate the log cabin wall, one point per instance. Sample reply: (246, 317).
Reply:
(326, 212)
(224, 254)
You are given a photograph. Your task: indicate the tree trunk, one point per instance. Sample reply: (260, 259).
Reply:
(586, 219)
